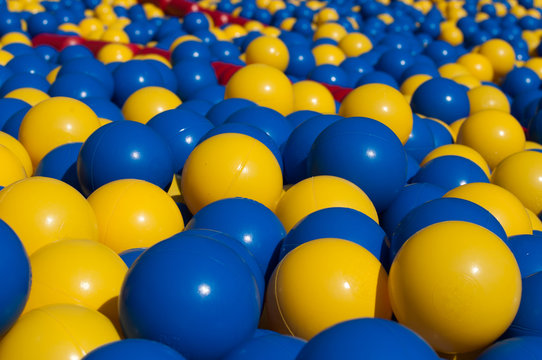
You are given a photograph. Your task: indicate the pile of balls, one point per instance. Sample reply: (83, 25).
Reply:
(270, 179)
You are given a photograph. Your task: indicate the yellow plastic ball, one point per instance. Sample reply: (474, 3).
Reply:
(328, 54)
(51, 77)
(69, 27)
(322, 283)
(134, 213)
(79, 272)
(535, 64)
(15, 38)
(43, 210)
(30, 96)
(330, 31)
(457, 285)
(410, 85)
(455, 126)
(57, 332)
(467, 80)
(458, 150)
(18, 150)
(269, 51)
(355, 44)
(386, 18)
(536, 223)
(521, 174)
(494, 134)
(531, 39)
(114, 53)
(286, 24)
(231, 165)
(271, 31)
(501, 55)
(275, 6)
(147, 102)
(501, 203)
(12, 168)
(90, 25)
(263, 84)
(487, 97)
(382, 103)
(530, 145)
(327, 15)
(253, 25)
(54, 122)
(311, 95)
(478, 65)
(321, 192)
(233, 31)
(452, 35)
(452, 70)
(115, 35)
(156, 57)
(5, 57)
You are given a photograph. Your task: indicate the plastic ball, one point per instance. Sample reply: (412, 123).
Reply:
(29, 95)
(501, 203)
(322, 283)
(12, 167)
(134, 75)
(330, 74)
(77, 86)
(395, 62)
(268, 347)
(339, 223)
(60, 331)
(269, 51)
(375, 163)
(367, 337)
(249, 222)
(135, 349)
(449, 172)
(193, 75)
(528, 253)
(441, 98)
(420, 141)
(321, 192)
(220, 112)
(230, 165)
(17, 285)
(147, 102)
(10, 107)
(478, 282)
(527, 321)
(104, 109)
(382, 103)
(500, 54)
(29, 63)
(112, 53)
(355, 44)
(440, 210)
(487, 97)
(121, 150)
(61, 164)
(310, 95)
(79, 272)
(301, 61)
(91, 67)
(328, 54)
(264, 85)
(178, 290)
(441, 52)
(73, 121)
(520, 80)
(134, 213)
(514, 348)
(24, 81)
(521, 174)
(131, 255)
(411, 84)
(494, 134)
(53, 211)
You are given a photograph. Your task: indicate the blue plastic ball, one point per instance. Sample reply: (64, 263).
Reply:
(78, 86)
(137, 32)
(133, 75)
(410, 197)
(365, 152)
(47, 53)
(131, 255)
(190, 50)
(213, 93)
(341, 223)
(193, 294)
(42, 22)
(268, 347)
(73, 52)
(395, 62)
(197, 106)
(22, 80)
(29, 64)
(133, 349)
(93, 68)
(195, 21)
(182, 130)
(61, 164)
(301, 61)
(249, 222)
(10, 107)
(521, 80)
(268, 120)
(296, 150)
(124, 150)
(528, 318)
(298, 117)
(193, 75)
(449, 172)
(330, 74)
(420, 141)
(220, 112)
(104, 108)
(527, 250)
(441, 52)
(9, 22)
(15, 287)
(441, 135)
(441, 98)
(367, 338)
(356, 67)
(378, 77)
(524, 347)
(13, 124)
(439, 210)
(224, 50)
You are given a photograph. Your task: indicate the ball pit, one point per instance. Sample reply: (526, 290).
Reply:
(214, 94)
